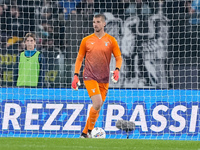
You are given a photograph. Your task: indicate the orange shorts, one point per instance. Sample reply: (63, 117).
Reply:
(94, 88)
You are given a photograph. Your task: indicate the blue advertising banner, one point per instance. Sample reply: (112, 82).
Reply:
(158, 114)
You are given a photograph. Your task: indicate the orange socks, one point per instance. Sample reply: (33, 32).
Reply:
(85, 130)
(93, 116)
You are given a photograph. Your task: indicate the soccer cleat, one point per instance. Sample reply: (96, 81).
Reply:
(83, 135)
(88, 135)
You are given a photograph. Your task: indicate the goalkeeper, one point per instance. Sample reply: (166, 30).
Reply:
(97, 49)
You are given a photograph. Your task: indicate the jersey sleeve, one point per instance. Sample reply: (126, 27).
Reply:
(80, 56)
(82, 49)
(117, 53)
(116, 49)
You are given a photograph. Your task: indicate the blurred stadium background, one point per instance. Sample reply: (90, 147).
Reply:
(158, 41)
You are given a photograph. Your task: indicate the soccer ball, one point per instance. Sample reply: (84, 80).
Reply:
(98, 133)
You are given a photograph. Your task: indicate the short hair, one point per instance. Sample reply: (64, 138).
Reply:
(100, 16)
(29, 35)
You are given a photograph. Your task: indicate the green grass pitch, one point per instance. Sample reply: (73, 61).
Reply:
(94, 144)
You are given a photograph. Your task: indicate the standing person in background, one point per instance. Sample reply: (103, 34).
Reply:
(30, 71)
(97, 49)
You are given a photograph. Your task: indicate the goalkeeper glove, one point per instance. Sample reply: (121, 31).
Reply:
(115, 76)
(76, 82)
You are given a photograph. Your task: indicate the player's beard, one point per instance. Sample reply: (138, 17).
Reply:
(98, 30)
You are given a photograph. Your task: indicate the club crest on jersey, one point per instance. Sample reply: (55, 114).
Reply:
(93, 90)
(106, 43)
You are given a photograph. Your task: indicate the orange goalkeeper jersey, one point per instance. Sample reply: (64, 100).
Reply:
(97, 54)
